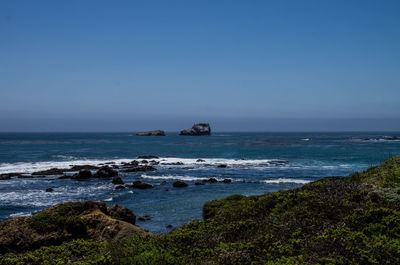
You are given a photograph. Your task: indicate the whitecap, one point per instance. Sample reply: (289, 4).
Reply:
(286, 180)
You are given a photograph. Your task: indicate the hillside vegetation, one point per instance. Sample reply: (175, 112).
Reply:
(336, 220)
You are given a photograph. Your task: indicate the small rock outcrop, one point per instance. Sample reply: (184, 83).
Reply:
(197, 130)
(83, 175)
(140, 185)
(117, 180)
(105, 172)
(72, 220)
(152, 133)
(179, 184)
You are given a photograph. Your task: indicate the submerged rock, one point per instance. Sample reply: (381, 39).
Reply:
(152, 133)
(197, 130)
(140, 169)
(140, 185)
(179, 184)
(50, 172)
(117, 180)
(222, 166)
(83, 175)
(148, 157)
(72, 220)
(49, 190)
(105, 172)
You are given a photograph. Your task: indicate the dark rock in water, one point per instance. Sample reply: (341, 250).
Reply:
(119, 187)
(227, 181)
(30, 176)
(173, 164)
(152, 133)
(134, 163)
(163, 182)
(200, 160)
(81, 167)
(6, 176)
(222, 166)
(179, 184)
(145, 218)
(197, 130)
(82, 175)
(140, 185)
(210, 180)
(148, 157)
(49, 190)
(144, 161)
(52, 171)
(154, 162)
(63, 222)
(169, 226)
(197, 183)
(166, 189)
(105, 172)
(117, 180)
(140, 169)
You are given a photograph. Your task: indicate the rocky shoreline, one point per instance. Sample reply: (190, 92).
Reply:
(335, 220)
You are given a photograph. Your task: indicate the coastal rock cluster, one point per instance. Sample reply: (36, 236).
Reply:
(197, 129)
(72, 220)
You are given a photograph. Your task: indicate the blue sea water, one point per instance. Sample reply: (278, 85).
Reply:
(257, 163)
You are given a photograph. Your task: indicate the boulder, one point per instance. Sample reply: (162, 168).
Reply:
(117, 180)
(197, 130)
(82, 175)
(50, 172)
(140, 185)
(152, 133)
(49, 190)
(68, 221)
(227, 181)
(222, 166)
(105, 172)
(179, 184)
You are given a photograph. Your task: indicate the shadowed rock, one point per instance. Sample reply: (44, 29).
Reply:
(197, 130)
(52, 226)
(179, 184)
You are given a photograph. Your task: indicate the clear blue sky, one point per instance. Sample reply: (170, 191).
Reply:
(242, 65)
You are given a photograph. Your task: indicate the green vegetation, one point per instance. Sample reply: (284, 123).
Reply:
(353, 220)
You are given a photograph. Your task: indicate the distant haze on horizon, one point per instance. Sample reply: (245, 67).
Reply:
(239, 65)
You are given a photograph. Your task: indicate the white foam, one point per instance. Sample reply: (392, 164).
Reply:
(167, 177)
(29, 167)
(285, 180)
(20, 214)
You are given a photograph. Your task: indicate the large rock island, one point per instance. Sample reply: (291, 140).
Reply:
(197, 130)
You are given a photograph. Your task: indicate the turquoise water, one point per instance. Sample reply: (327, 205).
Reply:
(257, 163)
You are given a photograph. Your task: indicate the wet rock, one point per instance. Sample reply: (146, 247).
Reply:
(197, 130)
(140, 185)
(222, 166)
(211, 180)
(117, 180)
(169, 226)
(140, 169)
(197, 183)
(105, 172)
(119, 187)
(163, 182)
(6, 176)
(148, 157)
(51, 172)
(179, 184)
(227, 181)
(200, 160)
(82, 175)
(49, 190)
(173, 164)
(134, 163)
(145, 218)
(152, 133)
(144, 162)
(81, 167)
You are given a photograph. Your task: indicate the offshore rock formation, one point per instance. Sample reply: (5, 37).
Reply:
(197, 130)
(152, 133)
(72, 220)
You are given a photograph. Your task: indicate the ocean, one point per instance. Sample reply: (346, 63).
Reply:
(257, 163)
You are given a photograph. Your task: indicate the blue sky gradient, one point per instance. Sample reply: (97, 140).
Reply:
(242, 65)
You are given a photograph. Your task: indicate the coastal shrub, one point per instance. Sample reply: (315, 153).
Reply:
(73, 252)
